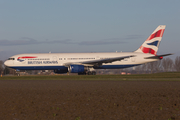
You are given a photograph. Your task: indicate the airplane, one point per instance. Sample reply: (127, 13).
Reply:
(86, 63)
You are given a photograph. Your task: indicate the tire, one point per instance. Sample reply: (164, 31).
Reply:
(93, 73)
(89, 73)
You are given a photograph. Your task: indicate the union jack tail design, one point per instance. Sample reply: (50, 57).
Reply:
(152, 43)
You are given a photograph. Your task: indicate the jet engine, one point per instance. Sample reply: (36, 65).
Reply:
(76, 69)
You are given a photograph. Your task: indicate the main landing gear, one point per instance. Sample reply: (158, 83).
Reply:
(88, 71)
(17, 72)
(91, 73)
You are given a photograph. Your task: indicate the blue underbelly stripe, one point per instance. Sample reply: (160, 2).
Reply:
(63, 67)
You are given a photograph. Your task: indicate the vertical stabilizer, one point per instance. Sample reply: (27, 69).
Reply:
(152, 43)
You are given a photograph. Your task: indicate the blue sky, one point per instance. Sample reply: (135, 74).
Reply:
(40, 26)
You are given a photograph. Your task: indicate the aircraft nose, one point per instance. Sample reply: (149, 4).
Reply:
(6, 63)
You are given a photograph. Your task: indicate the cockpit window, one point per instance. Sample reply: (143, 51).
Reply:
(11, 59)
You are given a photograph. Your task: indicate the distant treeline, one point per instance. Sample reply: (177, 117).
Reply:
(164, 65)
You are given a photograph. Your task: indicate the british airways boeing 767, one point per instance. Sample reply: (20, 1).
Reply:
(86, 63)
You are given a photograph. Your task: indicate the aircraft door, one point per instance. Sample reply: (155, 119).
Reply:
(54, 58)
(133, 59)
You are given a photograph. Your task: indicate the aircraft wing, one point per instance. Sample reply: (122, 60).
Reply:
(99, 61)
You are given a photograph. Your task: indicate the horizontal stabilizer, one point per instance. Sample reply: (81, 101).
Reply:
(158, 56)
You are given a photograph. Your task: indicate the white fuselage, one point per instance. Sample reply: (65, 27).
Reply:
(52, 61)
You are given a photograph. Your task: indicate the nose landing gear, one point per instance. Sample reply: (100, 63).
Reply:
(17, 72)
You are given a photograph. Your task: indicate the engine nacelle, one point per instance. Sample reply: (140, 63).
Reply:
(60, 71)
(76, 68)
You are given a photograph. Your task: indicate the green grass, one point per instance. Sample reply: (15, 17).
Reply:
(175, 76)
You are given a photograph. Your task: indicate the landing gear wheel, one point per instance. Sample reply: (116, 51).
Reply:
(93, 73)
(89, 73)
